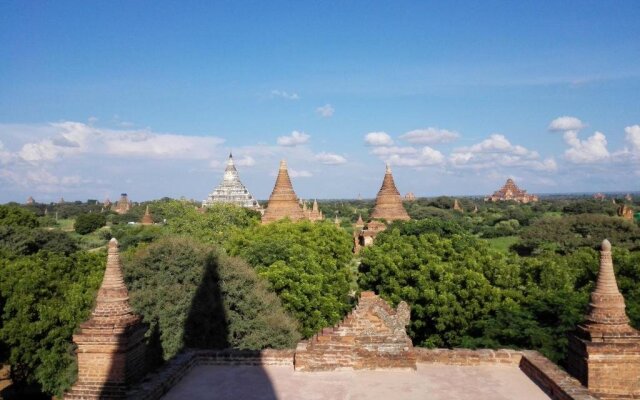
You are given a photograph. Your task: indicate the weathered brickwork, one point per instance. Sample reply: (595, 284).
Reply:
(283, 202)
(388, 201)
(604, 352)
(372, 336)
(111, 353)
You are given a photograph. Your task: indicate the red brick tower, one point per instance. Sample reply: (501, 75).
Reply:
(110, 344)
(604, 353)
(283, 201)
(388, 202)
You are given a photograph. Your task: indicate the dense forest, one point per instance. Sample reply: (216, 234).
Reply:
(493, 275)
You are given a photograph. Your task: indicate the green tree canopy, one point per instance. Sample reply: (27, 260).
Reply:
(87, 223)
(307, 264)
(194, 296)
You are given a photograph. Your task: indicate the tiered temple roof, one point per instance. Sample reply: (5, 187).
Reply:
(231, 190)
(511, 191)
(123, 205)
(314, 214)
(604, 352)
(110, 344)
(283, 201)
(388, 202)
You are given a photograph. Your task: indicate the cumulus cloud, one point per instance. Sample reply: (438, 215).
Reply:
(295, 139)
(566, 123)
(426, 156)
(245, 161)
(326, 111)
(284, 95)
(632, 138)
(389, 150)
(591, 150)
(294, 173)
(498, 151)
(378, 139)
(330, 158)
(430, 136)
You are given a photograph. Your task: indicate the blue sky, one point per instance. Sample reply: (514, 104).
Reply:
(97, 98)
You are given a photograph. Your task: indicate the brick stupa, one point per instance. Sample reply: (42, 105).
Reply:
(604, 352)
(283, 202)
(315, 214)
(388, 202)
(372, 336)
(147, 219)
(111, 352)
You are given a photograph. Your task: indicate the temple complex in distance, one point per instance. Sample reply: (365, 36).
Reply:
(511, 192)
(231, 190)
(123, 205)
(283, 202)
(388, 207)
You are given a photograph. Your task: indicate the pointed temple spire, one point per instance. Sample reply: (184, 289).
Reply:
(607, 308)
(604, 352)
(231, 190)
(110, 344)
(283, 201)
(388, 202)
(147, 219)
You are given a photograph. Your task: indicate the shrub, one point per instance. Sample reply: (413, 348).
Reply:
(87, 223)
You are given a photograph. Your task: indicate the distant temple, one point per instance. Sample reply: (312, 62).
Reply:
(599, 196)
(314, 214)
(123, 205)
(107, 203)
(147, 219)
(457, 206)
(388, 207)
(410, 196)
(510, 191)
(388, 202)
(30, 200)
(283, 202)
(625, 212)
(231, 190)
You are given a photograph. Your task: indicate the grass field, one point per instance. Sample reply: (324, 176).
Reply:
(502, 243)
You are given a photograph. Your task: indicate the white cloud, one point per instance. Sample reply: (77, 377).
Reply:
(295, 139)
(591, 150)
(566, 123)
(245, 161)
(299, 173)
(326, 111)
(388, 150)
(378, 139)
(430, 136)
(284, 95)
(632, 137)
(497, 151)
(330, 158)
(426, 156)
(5, 156)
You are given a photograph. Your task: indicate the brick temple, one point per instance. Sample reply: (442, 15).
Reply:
(604, 352)
(111, 351)
(511, 192)
(283, 202)
(372, 336)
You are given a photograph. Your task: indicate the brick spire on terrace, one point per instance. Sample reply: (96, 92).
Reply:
(388, 202)
(283, 201)
(604, 353)
(110, 344)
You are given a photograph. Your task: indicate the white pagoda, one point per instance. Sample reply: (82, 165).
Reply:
(231, 190)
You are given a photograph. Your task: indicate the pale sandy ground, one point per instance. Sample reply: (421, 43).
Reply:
(429, 382)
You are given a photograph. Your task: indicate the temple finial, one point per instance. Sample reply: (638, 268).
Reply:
(283, 164)
(388, 170)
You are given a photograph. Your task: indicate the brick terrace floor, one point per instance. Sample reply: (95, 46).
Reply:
(429, 382)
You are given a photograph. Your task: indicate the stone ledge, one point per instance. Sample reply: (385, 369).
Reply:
(467, 356)
(554, 381)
